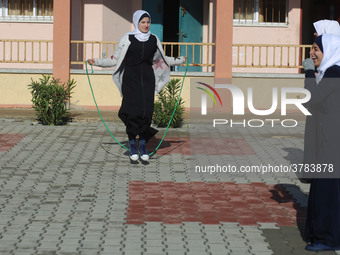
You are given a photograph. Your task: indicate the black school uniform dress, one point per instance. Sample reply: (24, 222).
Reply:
(323, 215)
(138, 88)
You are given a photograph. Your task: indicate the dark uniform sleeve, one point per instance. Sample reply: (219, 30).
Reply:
(327, 85)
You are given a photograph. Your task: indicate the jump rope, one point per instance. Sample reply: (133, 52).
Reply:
(101, 117)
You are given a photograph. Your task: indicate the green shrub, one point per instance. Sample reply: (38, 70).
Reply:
(50, 98)
(165, 105)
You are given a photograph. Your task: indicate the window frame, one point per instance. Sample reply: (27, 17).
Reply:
(5, 17)
(255, 21)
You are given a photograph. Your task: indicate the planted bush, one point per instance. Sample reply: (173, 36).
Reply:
(165, 105)
(50, 99)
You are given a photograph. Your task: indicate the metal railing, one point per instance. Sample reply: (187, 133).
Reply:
(198, 54)
(269, 55)
(83, 50)
(26, 51)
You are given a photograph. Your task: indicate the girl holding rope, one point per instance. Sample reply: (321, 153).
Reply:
(141, 71)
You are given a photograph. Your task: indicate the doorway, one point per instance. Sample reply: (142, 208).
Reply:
(178, 21)
(317, 10)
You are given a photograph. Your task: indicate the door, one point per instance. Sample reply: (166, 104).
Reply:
(182, 21)
(155, 8)
(190, 30)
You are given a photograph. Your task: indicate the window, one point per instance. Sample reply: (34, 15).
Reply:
(26, 10)
(260, 11)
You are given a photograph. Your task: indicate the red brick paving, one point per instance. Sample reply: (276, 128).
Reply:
(211, 203)
(8, 141)
(202, 145)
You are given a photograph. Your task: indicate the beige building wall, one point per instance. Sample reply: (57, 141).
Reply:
(14, 89)
(106, 93)
(270, 34)
(24, 31)
(15, 92)
(108, 20)
(262, 87)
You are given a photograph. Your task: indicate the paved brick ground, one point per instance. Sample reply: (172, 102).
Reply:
(205, 145)
(72, 190)
(7, 141)
(212, 203)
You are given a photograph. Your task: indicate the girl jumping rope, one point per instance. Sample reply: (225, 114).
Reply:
(141, 71)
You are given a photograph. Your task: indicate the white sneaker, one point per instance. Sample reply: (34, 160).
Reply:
(134, 157)
(144, 157)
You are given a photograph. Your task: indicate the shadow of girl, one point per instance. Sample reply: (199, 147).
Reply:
(168, 145)
(287, 193)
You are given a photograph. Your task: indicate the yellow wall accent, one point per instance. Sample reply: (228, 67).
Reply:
(106, 92)
(15, 92)
(14, 89)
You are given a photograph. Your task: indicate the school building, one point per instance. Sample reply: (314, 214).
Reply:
(258, 42)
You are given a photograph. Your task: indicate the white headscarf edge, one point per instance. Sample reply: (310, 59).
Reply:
(327, 27)
(331, 54)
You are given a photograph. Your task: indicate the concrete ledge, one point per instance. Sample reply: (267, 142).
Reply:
(26, 71)
(30, 114)
(190, 74)
(269, 75)
(78, 115)
(104, 72)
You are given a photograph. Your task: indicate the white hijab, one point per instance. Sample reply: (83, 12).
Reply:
(140, 36)
(331, 54)
(327, 27)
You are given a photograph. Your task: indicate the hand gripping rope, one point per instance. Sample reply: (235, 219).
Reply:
(101, 117)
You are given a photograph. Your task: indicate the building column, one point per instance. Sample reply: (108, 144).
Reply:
(224, 38)
(61, 39)
(223, 48)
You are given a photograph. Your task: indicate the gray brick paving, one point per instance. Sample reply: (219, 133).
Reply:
(64, 190)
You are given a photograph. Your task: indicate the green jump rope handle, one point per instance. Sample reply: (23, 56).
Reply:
(166, 130)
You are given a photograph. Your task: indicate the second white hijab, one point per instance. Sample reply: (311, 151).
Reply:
(331, 54)
(327, 27)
